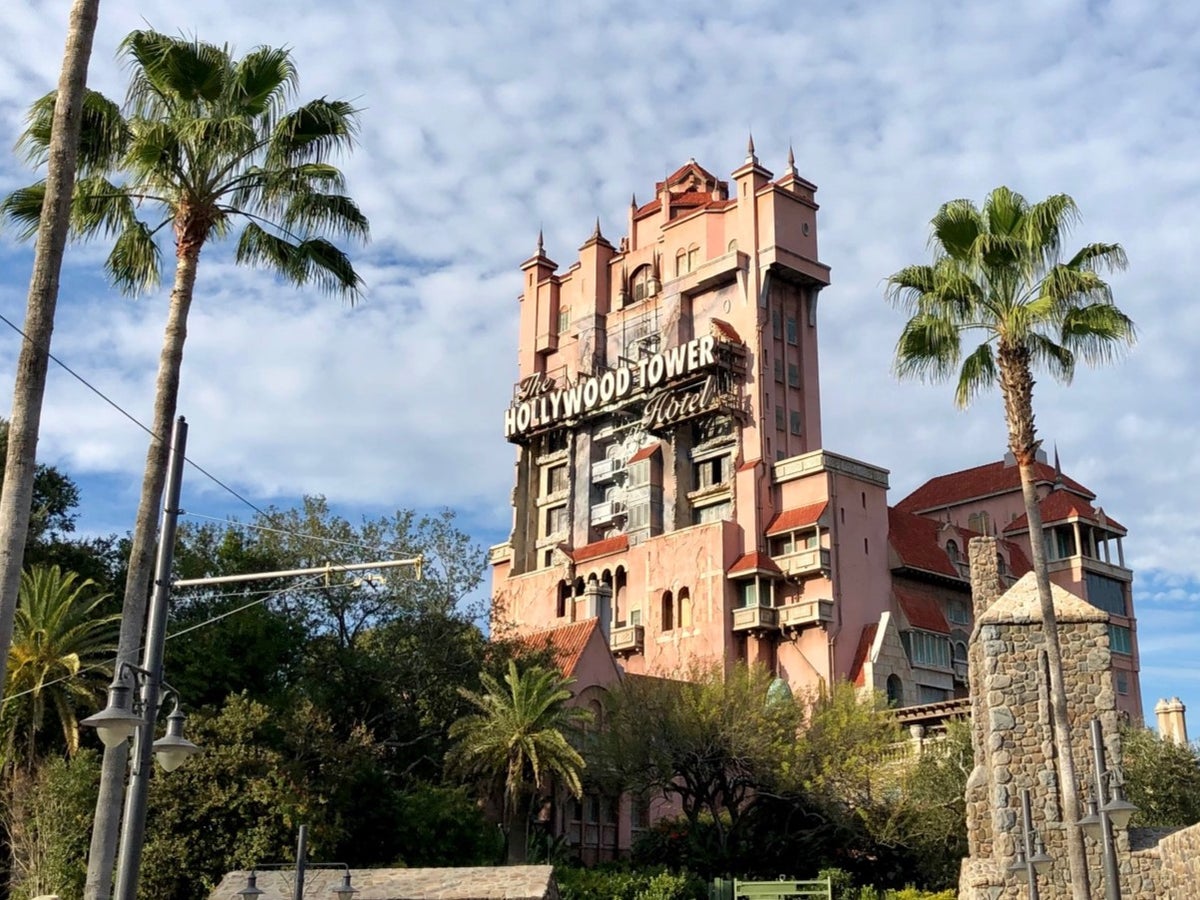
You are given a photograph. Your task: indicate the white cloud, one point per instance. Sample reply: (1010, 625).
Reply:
(483, 121)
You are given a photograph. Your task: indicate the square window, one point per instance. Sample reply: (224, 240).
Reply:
(1122, 682)
(780, 419)
(793, 371)
(795, 421)
(791, 330)
(778, 369)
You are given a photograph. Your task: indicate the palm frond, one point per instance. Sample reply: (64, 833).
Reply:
(22, 209)
(1003, 210)
(1100, 258)
(1097, 332)
(929, 348)
(103, 133)
(167, 70)
(1054, 357)
(135, 263)
(262, 81)
(100, 207)
(325, 213)
(313, 132)
(955, 228)
(977, 374)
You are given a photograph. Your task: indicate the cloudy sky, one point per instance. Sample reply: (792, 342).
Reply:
(483, 121)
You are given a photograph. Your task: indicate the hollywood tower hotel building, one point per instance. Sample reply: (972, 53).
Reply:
(673, 494)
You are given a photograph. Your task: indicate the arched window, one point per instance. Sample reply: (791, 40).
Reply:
(1001, 565)
(895, 691)
(952, 552)
(564, 599)
(641, 285)
(685, 608)
(693, 257)
(960, 652)
(668, 611)
(619, 611)
(680, 262)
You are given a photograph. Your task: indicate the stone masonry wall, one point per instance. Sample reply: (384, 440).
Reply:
(1179, 856)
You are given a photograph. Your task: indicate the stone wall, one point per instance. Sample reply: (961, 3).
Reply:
(1179, 858)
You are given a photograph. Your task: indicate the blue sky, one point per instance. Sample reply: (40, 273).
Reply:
(484, 121)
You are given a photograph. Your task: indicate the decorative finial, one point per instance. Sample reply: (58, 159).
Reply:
(791, 163)
(596, 233)
(750, 157)
(541, 250)
(633, 200)
(1058, 475)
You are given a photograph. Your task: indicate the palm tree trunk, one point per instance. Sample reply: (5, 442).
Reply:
(34, 358)
(141, 566)
(1016, 384)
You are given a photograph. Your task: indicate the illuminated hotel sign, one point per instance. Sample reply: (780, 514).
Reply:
(540, 404)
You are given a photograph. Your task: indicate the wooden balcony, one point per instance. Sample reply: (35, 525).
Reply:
(805, 562)
(627, 640)
(754, 618)
(805, 613)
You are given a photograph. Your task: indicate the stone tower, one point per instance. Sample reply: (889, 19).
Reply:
(1012, 732)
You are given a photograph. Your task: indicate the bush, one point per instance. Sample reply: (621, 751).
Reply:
(615, 883)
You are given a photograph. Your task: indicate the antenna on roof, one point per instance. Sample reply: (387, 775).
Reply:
(1058, 475)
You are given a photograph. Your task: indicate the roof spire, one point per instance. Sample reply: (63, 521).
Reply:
(541, 250)
(750, 157)
(596, 233)
(1058, 475)
(633, 200)
(791, 162)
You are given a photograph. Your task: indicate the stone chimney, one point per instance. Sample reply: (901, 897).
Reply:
(1172, 725)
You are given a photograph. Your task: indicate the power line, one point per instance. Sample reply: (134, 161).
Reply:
(234, 523)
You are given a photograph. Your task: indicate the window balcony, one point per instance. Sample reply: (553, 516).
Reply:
(607, 469)
(805, 562)
(805, 613)
(754, 618)
(627, 640)
(603, 513)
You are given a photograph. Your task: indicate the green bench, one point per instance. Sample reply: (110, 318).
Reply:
(772, 890)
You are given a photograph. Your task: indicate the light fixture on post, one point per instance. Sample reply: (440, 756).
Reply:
(251, 891)
(117, 722)
(1104, 811)
(1031, 856)
(173, 749)
(343, 890)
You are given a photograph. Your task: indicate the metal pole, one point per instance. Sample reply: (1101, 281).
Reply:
(129, 860)
(1112, 878)
(1027, 820)
(415, 562)
(301, 862)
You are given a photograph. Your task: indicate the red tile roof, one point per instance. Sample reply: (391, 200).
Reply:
(565, 643)
(981, 481)
(915, 541)
(1059, 506)
(791, 519)
(858, 667)
(727, 331)
(922, 612)
(754, 563)
(690, 166)
(645, 453)
(600, 548)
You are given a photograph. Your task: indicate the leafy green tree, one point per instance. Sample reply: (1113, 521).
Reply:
(205, 144)
(999, 276)
(517, 741)
(263, 772)
(46, 819)
(1162, 779)
(59, 655)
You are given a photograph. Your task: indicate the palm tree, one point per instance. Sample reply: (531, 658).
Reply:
(29, 386)
(61, 653)
(517, 742)
(206, 144)
(998, 276)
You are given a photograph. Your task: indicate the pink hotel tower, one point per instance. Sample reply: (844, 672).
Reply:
(674, 499)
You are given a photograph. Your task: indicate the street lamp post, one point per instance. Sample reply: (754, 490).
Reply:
(117, 721)
(1106, 808)
(343, 891)
(1032, 858)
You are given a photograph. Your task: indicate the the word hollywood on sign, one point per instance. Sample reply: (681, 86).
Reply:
(539, 404)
